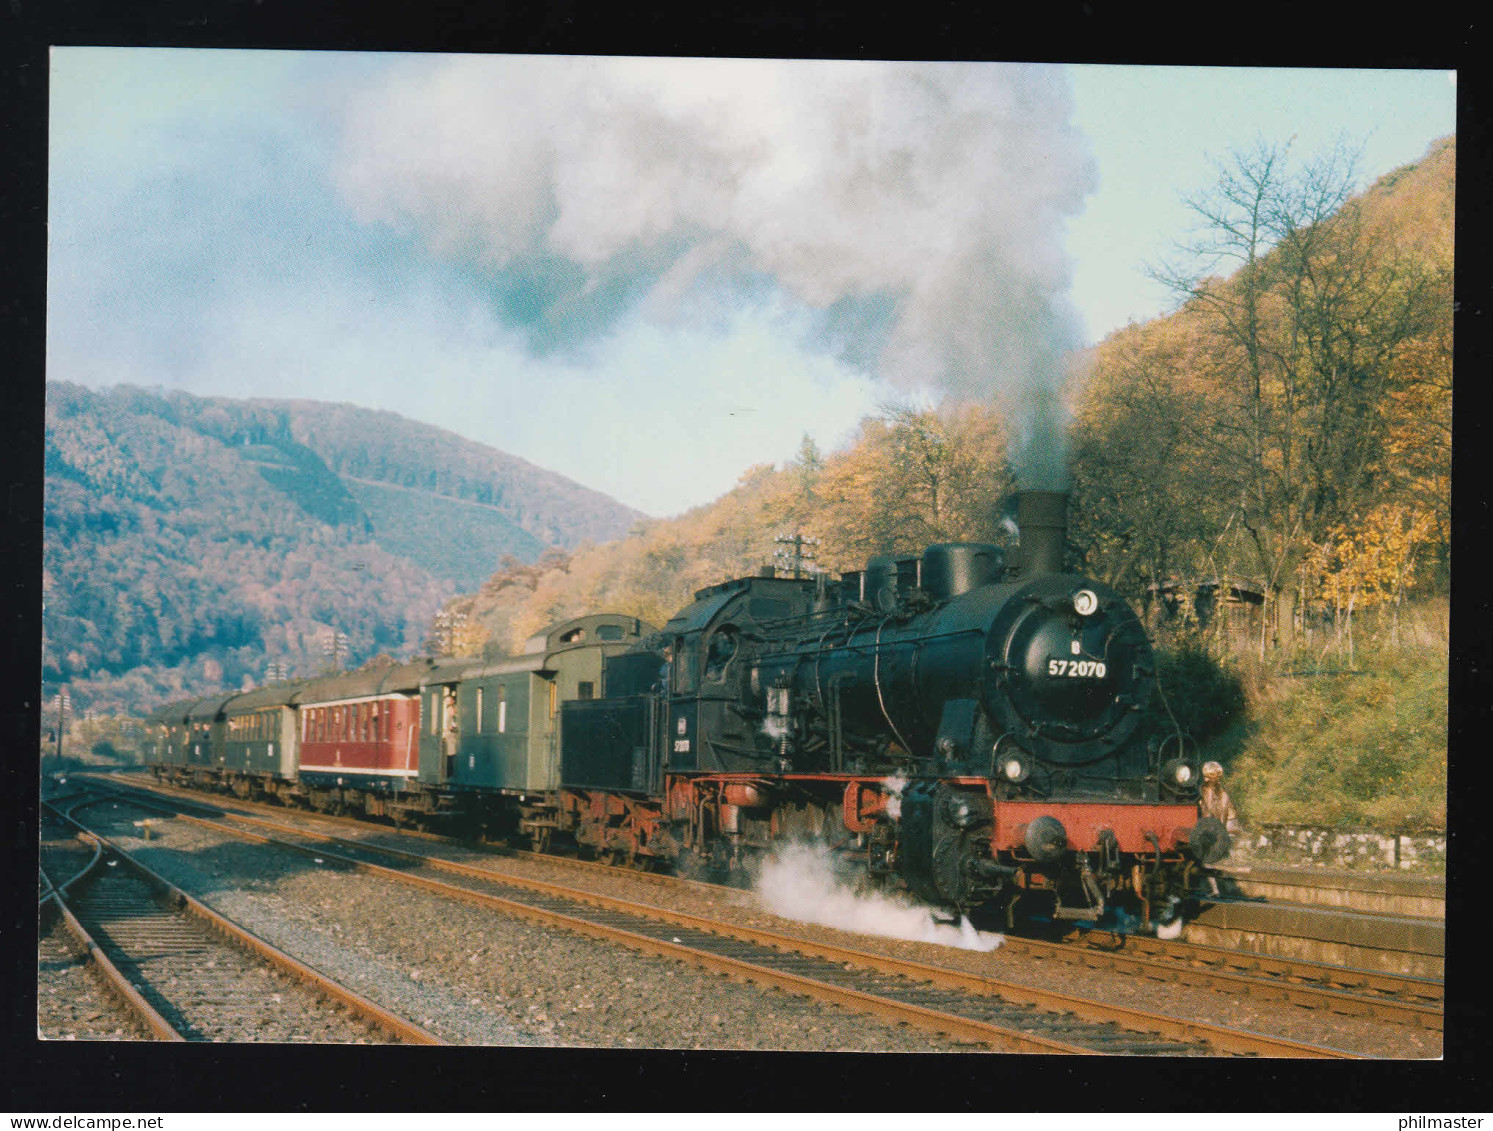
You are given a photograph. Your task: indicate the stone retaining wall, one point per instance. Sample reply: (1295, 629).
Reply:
(1335, 848)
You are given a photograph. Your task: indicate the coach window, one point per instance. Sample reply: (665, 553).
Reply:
(479, 711)
(502, 710)
(554, 699)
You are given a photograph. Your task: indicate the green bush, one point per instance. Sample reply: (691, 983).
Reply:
(1201, 692)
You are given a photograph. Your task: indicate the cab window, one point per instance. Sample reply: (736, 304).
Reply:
(685, 658)
(722, 648)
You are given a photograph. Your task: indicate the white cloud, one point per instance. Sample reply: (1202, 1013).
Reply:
(937, 190)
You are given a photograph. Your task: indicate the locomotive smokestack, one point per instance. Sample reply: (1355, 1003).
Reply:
(1042, 518)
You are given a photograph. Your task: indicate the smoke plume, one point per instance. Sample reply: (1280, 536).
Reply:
(800, 881)
(916, 208)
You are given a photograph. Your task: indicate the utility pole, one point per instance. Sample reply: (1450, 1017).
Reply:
(64, 703)
(335, 646)
(800, 559)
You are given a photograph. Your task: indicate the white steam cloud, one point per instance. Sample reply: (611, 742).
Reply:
(799, 881)
(917, 207)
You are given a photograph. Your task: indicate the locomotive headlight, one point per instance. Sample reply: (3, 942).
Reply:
(1013, 769)
(1085, 602)
(1179, 772)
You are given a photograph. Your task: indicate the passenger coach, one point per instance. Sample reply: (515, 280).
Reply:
(446, 737)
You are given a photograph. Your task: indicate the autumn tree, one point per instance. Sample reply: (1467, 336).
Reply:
(1303, 341)
(1367, 563)
(912, 478)
(1143, 510)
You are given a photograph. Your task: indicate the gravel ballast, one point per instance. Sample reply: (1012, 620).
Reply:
(474, 976)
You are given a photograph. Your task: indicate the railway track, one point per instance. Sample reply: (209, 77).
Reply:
(959, 1005)
(189, 974)
(1345, 991)
(1341, 990)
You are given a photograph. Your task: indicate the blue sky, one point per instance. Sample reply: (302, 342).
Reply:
(646, 275)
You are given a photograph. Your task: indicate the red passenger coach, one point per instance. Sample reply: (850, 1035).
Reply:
(359, 733)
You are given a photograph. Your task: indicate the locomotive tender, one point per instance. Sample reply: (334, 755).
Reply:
(966, 725)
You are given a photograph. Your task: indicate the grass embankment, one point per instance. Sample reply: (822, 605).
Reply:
(1362, 748)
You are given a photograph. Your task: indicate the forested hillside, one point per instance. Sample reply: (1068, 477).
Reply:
(1290, 424)
(190, 542)
(514, 506)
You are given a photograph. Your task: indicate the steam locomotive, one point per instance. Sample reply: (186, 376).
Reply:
(965, 724)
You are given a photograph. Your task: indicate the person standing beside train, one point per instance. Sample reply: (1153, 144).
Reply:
(450, 731)
(1214, 800)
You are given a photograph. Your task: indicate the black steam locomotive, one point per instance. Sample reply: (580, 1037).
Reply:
(968, 724)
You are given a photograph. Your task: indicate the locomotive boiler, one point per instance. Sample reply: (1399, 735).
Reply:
(969, 725)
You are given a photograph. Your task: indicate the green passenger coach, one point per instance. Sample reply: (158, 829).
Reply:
(493, 727)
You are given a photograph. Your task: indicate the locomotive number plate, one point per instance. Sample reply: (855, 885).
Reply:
(1078, 669)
